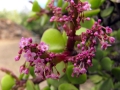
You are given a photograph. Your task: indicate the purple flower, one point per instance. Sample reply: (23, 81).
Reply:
(17, 58)
(83, 70)
(29, 55)
(25, 42)
(108, 30)
(87, 6)
(104, 45)
(111, 39)
(43, 47)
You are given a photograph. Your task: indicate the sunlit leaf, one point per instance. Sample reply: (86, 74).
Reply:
(53, 38)
(36, 7)
(91, 13)
(95, 4)
(30, 85)
(67, 86)
(88, 24)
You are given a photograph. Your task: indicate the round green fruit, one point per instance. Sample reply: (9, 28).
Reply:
(7, 82)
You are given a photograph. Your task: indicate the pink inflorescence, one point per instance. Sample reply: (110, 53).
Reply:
(38, 56)
(35, 55)
(72, 8)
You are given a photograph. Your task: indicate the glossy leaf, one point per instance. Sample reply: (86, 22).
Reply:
(30, 85)
(95, 78)
(107, 11)
(7, 82)
(59, 3)
(37, 87)
(106, 63)
(44, 19)
(60, 67)
(56, 83)
(64, 37)
(46, 88)
(116, 85)
(95, 4)
(88, 24)
(116, 72)
(118, 34)
(32, 71)
(67, 86)
(65, 4)
(102, 1)
(82, 29)
(35, 7)
(91, 13)
(75, 80)
(54, 39)
(107, 85)
(95, 67)
(99, 54)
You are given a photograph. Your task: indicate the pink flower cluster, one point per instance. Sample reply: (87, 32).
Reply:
(72, 8)
(36, 55)
(86, 48)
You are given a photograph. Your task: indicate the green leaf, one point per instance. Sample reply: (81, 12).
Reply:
(54, 39)
(107, 11)
(96, 66)
(91, 13)
(65, 37)
(67, 86)
(95, 4)
(117, 85)
(37, 87)
(82, 29)
(46, 88)
(30, 85)
(107, 85)
(56, 83)
(32, 71)
(60, 67)
(95, 78)
(44, 19)
(102, 1)
(116, 72)
(7, 82)
(106, 63)
(36, 7)
(99, 54)
(88, 24)
(65, 4)
(75, 80)
(59, 3)
(118, 34)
